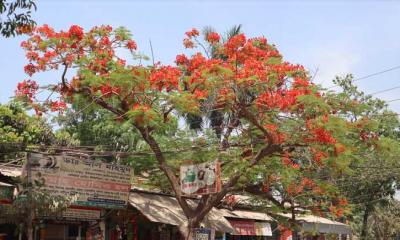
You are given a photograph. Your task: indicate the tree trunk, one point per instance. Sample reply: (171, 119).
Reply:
(364, 227)
(186, 230)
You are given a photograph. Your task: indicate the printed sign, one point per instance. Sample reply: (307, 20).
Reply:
(200, 179)
(263, 229)
(81, 213)
(92, 183)
(76, 213)
(244, 227)
(203, 234)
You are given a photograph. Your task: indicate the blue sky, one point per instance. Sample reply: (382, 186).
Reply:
(337, 37)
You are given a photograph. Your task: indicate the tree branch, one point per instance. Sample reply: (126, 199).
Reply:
(173, 180)
(63, 79)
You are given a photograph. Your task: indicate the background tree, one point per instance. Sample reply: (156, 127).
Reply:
(276, 128)
(18, 130)
(375, 170)
(384, 221)
(15, 16)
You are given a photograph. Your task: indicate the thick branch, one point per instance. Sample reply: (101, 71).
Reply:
(258, 190)
(174, 181)
(63, 79)
(251, 118)
(233, 123)
(102, 102)
(214, 199)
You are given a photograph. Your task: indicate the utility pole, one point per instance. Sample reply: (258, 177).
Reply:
(31, 211)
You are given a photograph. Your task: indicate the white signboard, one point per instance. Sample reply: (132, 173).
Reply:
(200, 179)
(95, 184)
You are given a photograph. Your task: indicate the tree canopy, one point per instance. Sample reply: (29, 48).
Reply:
(276, 133)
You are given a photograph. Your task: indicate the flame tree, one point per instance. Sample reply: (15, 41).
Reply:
(273, 130)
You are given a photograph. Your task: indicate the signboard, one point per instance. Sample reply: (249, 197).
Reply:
(263, 229)
(200, 179)
(244, 227)
(75, 213)
(251, 228)
(203, 234)
(92, 183)
(82, 213)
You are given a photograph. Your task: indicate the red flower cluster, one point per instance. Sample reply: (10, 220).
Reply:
(192, 33)
(306, 184)
(277, 136)
(213, 37)
(76, 31)
(58, 106)
(108, 91)
(188, 43)
(288, 162)
(30, 69)
(234, 43)
(320, 135)
(181, 59)
(27, 88)
(165, 77)
(131, 45)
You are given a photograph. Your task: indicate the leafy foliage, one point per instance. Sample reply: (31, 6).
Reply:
(18, 129)
(15, 16)
(275, 132)
(375, 170)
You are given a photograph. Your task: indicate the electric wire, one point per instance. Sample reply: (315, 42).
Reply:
(371, 75)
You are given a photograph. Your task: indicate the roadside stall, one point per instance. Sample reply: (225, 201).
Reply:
(159, 216)
(317, 228)
(248, 225)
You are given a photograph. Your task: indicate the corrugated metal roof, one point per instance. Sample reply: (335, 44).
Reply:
(11, 171)
(166, 209)
(244, 214)
(320, 224)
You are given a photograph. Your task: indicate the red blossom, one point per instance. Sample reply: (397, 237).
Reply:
(105, 41)
(131, 45)
(200, 94)
(27, 88)
(108, 91)
(188, 43)
(192, 33)
(213, 37)
(46, 30)
(165, 77)
(181, 59)
(30, 69)
(322, 136)
(234, 43)
(58, 106)
(76, 31)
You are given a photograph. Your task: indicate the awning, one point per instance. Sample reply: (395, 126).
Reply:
(165, 209)
(11, 171)
(311, 223)
(249, 223)
(323, 225)
(251, 227)
(244, 214)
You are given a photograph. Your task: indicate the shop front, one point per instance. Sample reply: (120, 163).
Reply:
(248, 225)
(318, 228)
(158, 217)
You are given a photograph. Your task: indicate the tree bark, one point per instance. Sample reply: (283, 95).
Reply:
(186, 230)
(364, 227)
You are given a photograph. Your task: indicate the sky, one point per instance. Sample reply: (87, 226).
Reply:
(327, 37)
